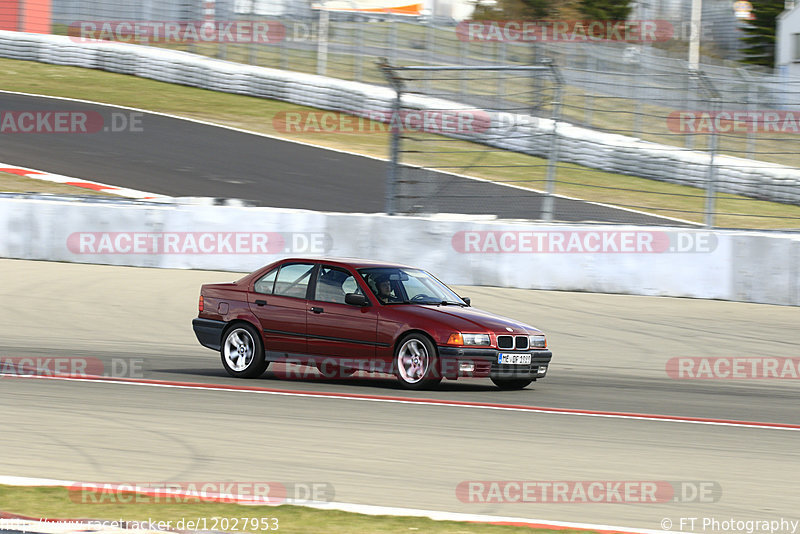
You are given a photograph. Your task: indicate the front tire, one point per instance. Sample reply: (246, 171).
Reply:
(242, 352)
(508, 384)
(416, 364)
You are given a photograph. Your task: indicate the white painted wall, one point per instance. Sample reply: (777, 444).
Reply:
(728, 265)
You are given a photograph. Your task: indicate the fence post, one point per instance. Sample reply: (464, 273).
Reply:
(358, 63)
(711, 171)
(394, 151)
(749, 100)
(285, 50)
(691, 101)
(501, 81)
(322, 42)
(430, 46)
(393, 40)
(253, 48)
(462, 60)
(552, 156)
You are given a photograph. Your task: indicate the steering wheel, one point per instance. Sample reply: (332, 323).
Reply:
(421, 296)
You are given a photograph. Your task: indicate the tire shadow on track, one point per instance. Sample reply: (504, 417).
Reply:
(309, 378)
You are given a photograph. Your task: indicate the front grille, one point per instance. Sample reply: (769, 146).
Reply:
(512, 342)
(505, 342)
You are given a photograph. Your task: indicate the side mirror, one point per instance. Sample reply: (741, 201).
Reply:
(356, 299)
(467, 300)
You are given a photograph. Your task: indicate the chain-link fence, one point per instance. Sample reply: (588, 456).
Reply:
(428, 153)
(519, 109)
(639, 92)
(351, 40)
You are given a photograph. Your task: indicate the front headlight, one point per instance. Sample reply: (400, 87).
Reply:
(476, 339)
(537, 341)
(469, 339)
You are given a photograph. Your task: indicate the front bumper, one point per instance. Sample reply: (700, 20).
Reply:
(456, 362)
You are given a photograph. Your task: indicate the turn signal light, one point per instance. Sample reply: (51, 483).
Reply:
(455, 339)
(200, 304)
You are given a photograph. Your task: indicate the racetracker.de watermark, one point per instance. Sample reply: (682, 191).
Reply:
(161, 31)
(733, 368)
(216, 523)
(188, 492)
(441, 121)
(582, 241)
(71, 366)
(69, 122)
(566, 31)
(336, 368)
(330, 369)
(588, 491)
(199, 242)
(734, 121)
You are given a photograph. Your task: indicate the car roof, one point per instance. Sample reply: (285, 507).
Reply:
(356, 263)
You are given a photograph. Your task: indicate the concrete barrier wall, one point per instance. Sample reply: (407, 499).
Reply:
(741, 266)
(608, 152)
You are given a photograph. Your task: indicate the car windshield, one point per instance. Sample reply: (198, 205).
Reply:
(395, 285)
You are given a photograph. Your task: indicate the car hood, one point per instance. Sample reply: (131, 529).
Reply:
(471, 319)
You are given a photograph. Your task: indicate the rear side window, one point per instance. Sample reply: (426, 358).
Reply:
(333, 284)
(292, 280)
(266, 283)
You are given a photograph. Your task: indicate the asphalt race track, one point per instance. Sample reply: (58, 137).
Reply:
(176, 157)
(610, 353)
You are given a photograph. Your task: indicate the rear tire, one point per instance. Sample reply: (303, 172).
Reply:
(416, 363)
(507, 384)
(242, 352)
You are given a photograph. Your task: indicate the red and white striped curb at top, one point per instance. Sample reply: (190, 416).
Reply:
(85, 184)
(366, 509)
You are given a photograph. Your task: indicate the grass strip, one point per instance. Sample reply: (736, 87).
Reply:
(59, 503)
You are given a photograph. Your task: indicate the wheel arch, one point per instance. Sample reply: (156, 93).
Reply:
(243, 320)
(404, 334)
(257, 364)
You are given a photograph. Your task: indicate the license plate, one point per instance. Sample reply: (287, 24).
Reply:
(514, 359)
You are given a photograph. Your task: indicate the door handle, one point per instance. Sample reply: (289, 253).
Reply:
(315, 309)
(261, 303)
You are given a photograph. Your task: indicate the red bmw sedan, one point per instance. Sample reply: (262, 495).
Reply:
(342, 316)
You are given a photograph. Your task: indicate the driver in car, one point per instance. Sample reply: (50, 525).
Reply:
(385, 290)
